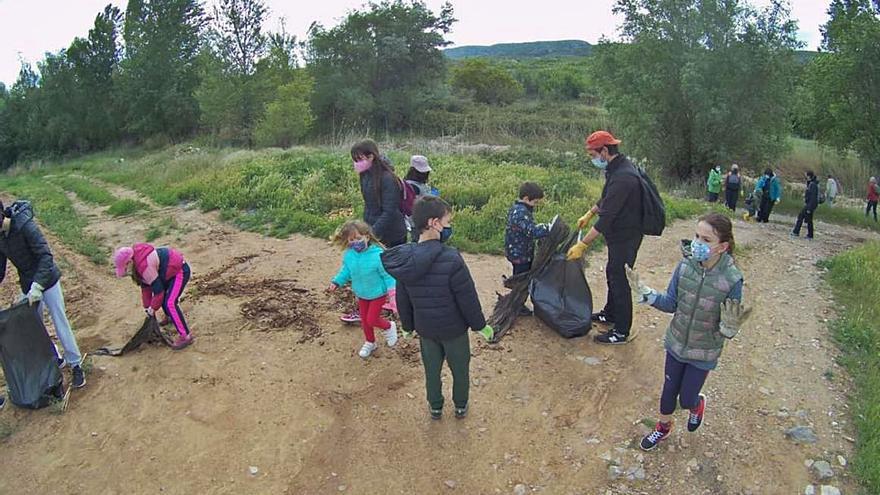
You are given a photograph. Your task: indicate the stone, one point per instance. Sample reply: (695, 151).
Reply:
(341, 488)
(823, 470)
(808, 463)
(592, 441)
(450, 484)
(810, 490)
(802, 434)
(520, 489)
(253, 470)
(829, 490)
(635, 473)
(592, 361)
(615, 472)
(841, 460)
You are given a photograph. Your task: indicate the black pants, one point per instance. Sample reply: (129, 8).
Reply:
(804, 216)
(872, 205)
(731, 197)
(765, 209)
(712, 197)
(682, 385)
(521, 267)
(619, 304)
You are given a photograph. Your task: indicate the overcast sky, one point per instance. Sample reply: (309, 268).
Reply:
(29, 28)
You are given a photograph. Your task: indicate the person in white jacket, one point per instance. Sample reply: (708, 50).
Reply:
(831, 190)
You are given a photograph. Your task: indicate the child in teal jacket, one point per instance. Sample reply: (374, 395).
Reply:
(362, 267)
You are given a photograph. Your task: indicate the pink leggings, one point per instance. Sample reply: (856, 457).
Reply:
(371, 317)
(171, 304)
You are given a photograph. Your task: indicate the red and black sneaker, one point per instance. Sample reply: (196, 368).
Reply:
(661, 431)
(695, 418)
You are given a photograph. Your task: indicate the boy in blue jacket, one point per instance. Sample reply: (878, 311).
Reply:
(436, 297)
(521, 232)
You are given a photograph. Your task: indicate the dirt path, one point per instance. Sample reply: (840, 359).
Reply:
(297, 403)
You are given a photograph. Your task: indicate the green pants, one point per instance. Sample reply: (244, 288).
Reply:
(456, 352)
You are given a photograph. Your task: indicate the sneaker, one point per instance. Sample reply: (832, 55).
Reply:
(436, 414)
(792, 234)
(164, 322)
(61, 362)
(524, 311)
(353, 317)
(461, 412)
(809, 238)
(695, 418)
(612, 337)
(182, 342)
(654, 438)
(602, 317)
(367, 349)
(391, 335)
(79, 377)
(2, 401)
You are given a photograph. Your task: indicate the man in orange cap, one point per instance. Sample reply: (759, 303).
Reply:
(620, 222)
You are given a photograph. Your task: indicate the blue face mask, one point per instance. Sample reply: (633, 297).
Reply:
(445, 234)
(600, 163)
(359, 245)
(700, 251)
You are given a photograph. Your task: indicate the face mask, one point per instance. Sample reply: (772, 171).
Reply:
(362, 166)
(445, 234)
(700, 251)
(359, 245)
(600, 163)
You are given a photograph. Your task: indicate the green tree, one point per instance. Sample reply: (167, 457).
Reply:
(158, 75)
(486, 82)
(839, 101)
(288, 117)
(381, 66)
(700, 81)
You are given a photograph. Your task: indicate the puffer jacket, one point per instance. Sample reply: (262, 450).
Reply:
(382, 211)
(364, 270)
(519, 238)
(436, 295)
(25, 246)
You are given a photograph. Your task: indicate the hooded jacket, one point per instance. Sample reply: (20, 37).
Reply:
(811, 195)
(436, 295)
(25, 246)
(382, 211)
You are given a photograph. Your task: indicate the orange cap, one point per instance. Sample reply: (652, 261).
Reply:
(599, 139)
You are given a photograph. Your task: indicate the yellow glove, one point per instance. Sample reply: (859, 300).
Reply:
(576, 252)
(584, 220)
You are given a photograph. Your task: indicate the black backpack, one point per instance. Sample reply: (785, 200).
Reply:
(653, 210)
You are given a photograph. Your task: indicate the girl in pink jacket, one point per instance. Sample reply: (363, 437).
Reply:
(162, 274)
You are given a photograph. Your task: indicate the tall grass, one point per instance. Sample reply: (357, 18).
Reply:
(855, 278)
(851, 172)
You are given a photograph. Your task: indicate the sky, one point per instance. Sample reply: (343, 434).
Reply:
(30, 28)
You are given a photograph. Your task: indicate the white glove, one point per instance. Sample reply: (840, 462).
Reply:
(733, 314)
(641, 293)
(36, 294)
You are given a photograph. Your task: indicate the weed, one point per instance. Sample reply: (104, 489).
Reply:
(85, 190)
(126, 207)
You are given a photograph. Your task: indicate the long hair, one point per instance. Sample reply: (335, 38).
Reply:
(344, 233)
(722, 227)
(369, 148)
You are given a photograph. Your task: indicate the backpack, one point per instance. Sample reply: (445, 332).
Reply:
(733, 182)
(653, 210)
(407, 197)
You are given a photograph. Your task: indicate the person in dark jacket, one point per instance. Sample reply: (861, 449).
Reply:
(732, 187)
(769, 191)
(381, 190)
(436, 298)
(521, 232)
(811, 202)
(39, 278)
(620, 222)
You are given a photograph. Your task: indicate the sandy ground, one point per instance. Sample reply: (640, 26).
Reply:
(283, 390)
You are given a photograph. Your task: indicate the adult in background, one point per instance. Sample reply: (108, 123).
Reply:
(381, 190)
(873, 196)
(732, 187)
(811, 202)
(831, 190)
(417, 177)
(769, 190)
(620, 222)
(39, 278)
(714, 184)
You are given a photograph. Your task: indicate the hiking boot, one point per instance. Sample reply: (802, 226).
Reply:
(436, 414)
(695, 418)
(182, 342)
(461, 412)
(612, 337)
(351, 318)
(524, 311)
(367, 349)
(391, 335)
(651, 440)
(602, 317)
(79, 377)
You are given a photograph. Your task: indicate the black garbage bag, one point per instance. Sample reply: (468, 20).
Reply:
(149, 333)
(562, 297)
(30, 363)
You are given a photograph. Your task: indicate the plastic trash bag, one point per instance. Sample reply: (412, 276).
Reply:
(29, 360)
(562, 298)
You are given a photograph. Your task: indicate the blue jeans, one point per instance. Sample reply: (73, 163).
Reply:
(53, 300)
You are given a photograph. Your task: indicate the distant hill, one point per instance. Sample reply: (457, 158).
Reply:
(533, 49)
